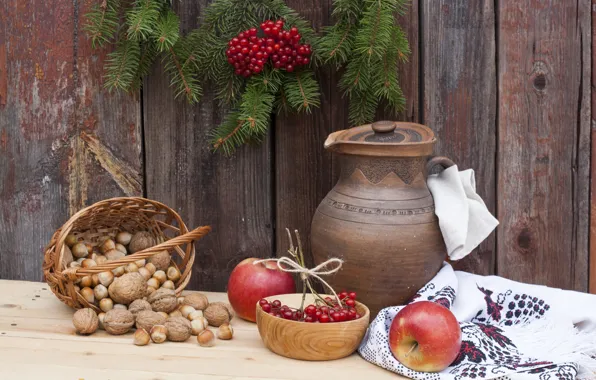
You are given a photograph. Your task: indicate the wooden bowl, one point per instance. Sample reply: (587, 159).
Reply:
(310, 341)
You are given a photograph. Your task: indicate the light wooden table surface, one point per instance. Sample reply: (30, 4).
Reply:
(38, 341)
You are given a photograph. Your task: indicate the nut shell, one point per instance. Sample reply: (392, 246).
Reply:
(85, 321)
(159, 334)
(206, 338)
(161, 260)
(146, 319)
(118, 321)
(140, 241)
(114, 254)
(67, 257)
(127, 288)
(123, 238)
(179, 329)
(218, 313)
(198, 324)
(141, 338)
(225, 332)
(197, 300)
(163, 300)
(139, 305)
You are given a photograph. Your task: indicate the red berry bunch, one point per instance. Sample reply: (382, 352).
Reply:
(326, 313)
(248, 52)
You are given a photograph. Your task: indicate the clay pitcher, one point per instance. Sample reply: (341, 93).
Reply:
(380, 217)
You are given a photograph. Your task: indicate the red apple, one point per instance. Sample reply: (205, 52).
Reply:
(425, 336)
(250, 282)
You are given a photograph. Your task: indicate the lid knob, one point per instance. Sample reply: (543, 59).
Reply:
(384, 126)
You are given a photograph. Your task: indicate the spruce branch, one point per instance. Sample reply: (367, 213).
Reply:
(179, 64)
(142, 19)
(102, 22)
(148, 56)
(166, 31)
(301, 91)
(121, 65)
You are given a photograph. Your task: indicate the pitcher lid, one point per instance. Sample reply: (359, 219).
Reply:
(384, 138)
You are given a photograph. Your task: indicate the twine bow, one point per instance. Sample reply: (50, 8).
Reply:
(305, 273)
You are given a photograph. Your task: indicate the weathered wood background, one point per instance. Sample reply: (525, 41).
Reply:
(507, 85)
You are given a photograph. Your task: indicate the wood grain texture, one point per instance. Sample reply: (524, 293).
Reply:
(592, 237)
(460, 97)
(37, 340)
(310, 341)
(50, 92)
(233, 195)
(543, 129)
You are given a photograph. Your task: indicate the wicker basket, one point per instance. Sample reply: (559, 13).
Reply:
(107, 218)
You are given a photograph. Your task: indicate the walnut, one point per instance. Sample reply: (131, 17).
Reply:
(163, 299)
(161, 260)
(140, 241)
(85, 321)
(179, 329)
(127, 288)
(118, 321)
(146, 319)
(218, 313)
(139, 305)
(197, 300)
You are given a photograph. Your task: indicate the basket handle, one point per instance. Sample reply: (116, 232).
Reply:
(196, 234)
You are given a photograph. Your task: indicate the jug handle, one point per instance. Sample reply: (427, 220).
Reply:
(438, 160)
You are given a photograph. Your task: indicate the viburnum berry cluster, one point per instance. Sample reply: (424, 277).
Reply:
(249, 53)
(327, 311)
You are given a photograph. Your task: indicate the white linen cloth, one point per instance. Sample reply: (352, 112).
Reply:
(510, 330)
(463, 217)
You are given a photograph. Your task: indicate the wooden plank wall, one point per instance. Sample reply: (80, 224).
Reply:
(505, 84)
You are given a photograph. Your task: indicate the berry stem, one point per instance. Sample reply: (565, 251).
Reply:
(412, 349)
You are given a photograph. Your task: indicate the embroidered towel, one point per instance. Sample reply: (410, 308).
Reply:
(510, 330)
(463, 217)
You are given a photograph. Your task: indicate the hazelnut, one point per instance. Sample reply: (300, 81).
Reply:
(176, 313)
(70, 240)
(119, 271)
(150, 290)
(140, 263)
(88, 295)
(89, 248)
(67, 257)
(197, 325)
(105, 278)
(163, 300)
(106, 304)
(178, 329)
(119, 306)
(74, 264)
(127, 288)
(146, 319)
(159, 334)
(86, 282)
(94, 280)
(161, 260)
(145, 273)
(85, 321)
(123, 238)
(206, 338)
(88, 263)
(77, 288)
(225, 332)
(160, 276)
(217, 313)
(173, 274)
(139, 305)
(141, 337)
(132, 267)
(107, 246)
(140, 241)
(197, 300)
(100, 292)
(186, 310)
(93, 256)
(101, 317)
(195, 314)
(101, 259)
(169, 285)
(114, 254)
(153, 282)
(151, 268)
(79, 250)
(121, 248)
(81, 260)
(164, 314)
(180, 300)
(118, 322)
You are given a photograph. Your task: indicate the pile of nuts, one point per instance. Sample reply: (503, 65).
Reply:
(141, 294)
